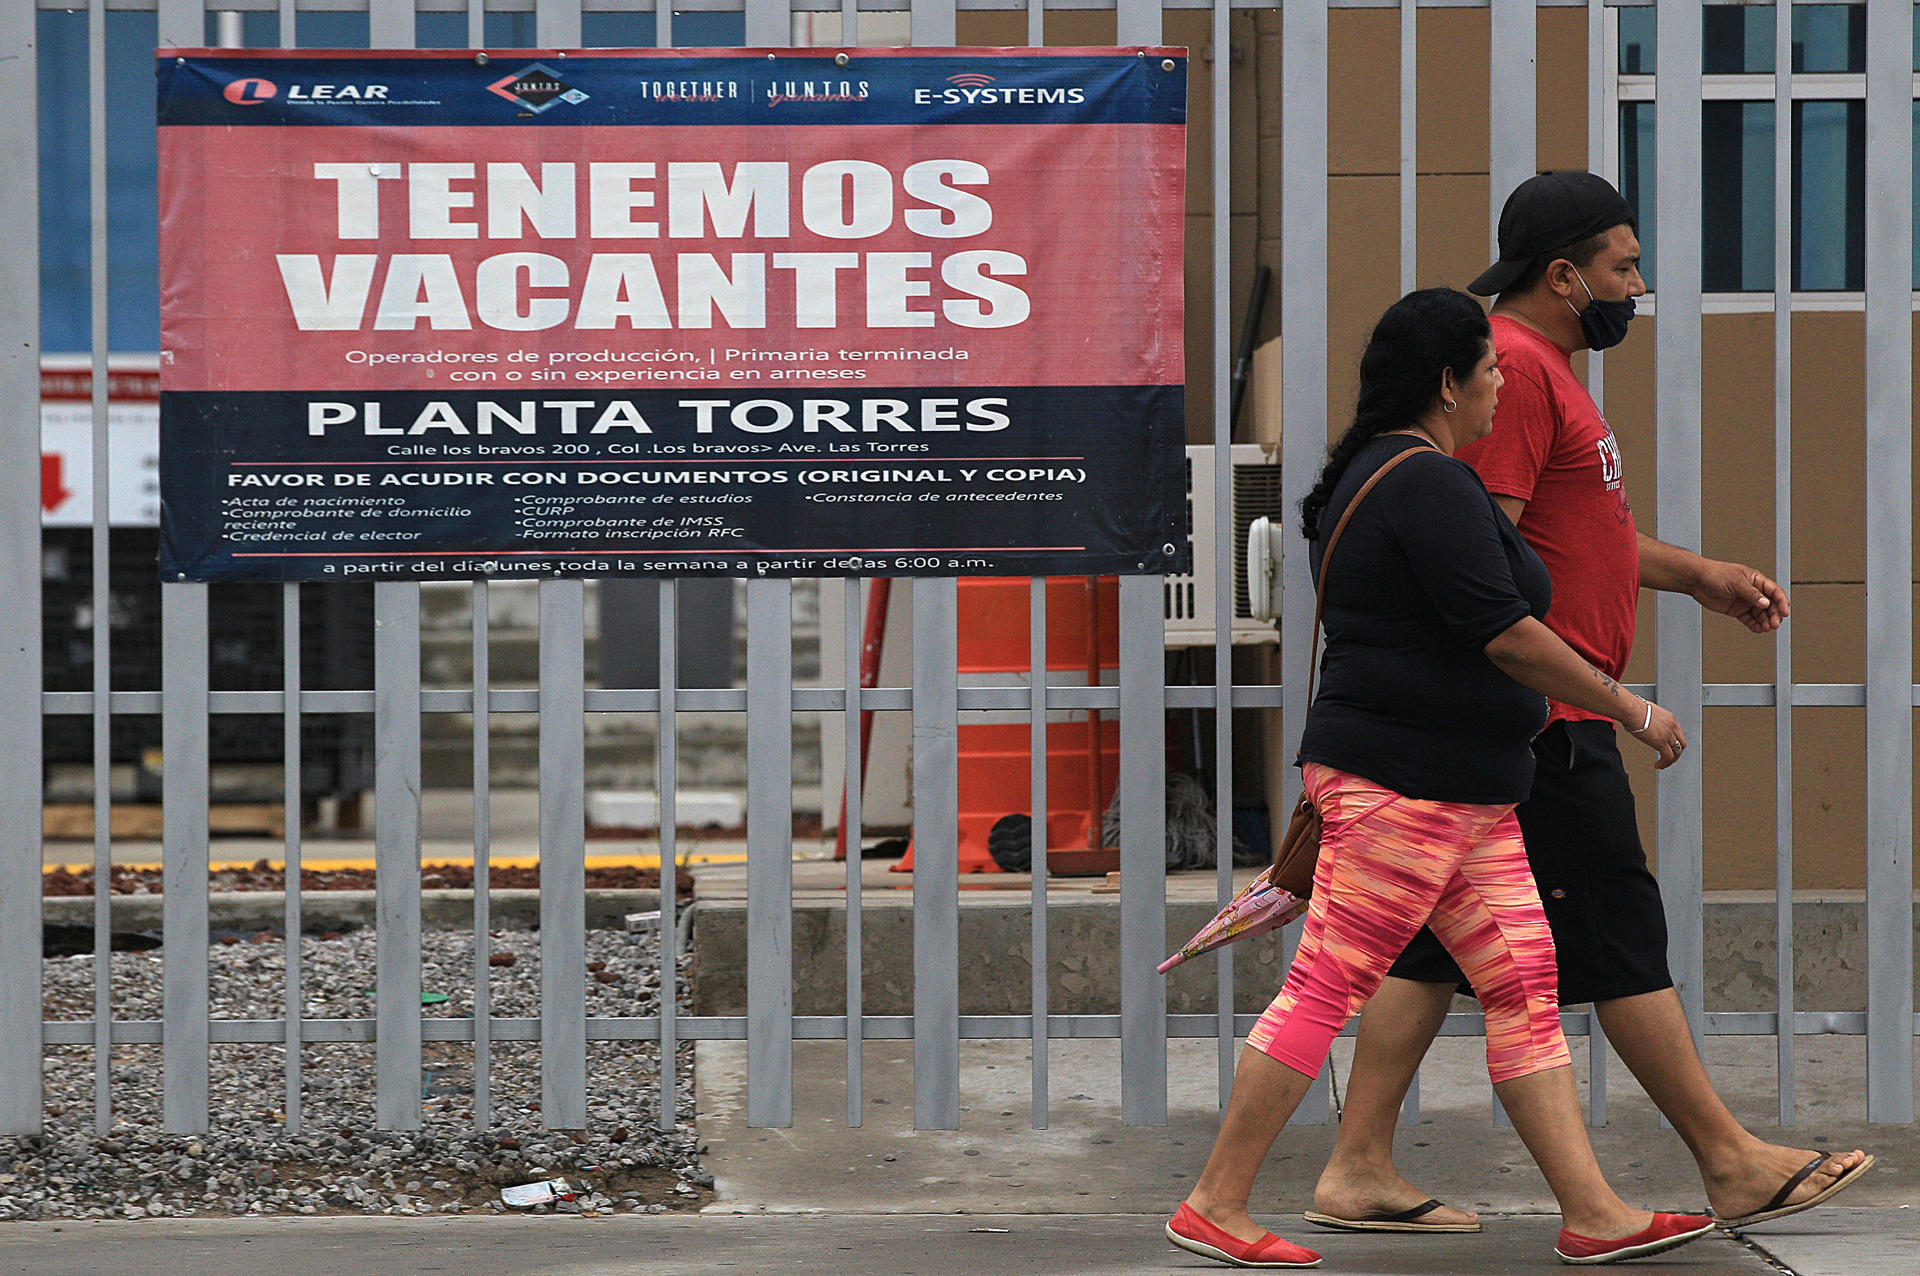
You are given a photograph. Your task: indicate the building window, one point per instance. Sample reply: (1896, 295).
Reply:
(1828, 146)
(133, 289)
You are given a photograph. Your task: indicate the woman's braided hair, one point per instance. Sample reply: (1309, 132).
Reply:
(1420, 335)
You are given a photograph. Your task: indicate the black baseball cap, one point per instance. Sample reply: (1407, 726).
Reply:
(1545, 214)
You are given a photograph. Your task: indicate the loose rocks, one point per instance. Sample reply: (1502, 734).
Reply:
(252, 1162)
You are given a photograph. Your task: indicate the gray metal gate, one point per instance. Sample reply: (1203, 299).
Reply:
(397, 701)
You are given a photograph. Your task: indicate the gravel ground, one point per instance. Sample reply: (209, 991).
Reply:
(251, 1164)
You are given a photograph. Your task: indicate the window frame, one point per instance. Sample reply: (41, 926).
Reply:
(1805, 86)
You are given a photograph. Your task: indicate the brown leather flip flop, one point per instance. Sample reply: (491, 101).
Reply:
(1778, 1207)
(1407, 1220)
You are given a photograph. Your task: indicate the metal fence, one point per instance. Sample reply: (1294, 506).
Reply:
(936, 697)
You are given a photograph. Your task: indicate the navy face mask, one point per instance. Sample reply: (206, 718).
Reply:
(1603, 323)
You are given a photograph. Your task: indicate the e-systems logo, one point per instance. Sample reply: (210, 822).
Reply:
(537, 88)
(972, 88)
(250, 92)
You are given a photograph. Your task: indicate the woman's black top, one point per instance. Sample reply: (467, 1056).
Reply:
(1426, 574)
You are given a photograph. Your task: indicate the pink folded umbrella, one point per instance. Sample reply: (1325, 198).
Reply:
(1258, 908)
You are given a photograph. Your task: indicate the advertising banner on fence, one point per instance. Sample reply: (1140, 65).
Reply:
(741, 313)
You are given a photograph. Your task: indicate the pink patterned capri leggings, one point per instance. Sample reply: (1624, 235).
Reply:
(1388, 864)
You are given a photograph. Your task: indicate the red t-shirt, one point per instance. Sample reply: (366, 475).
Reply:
(1551, 448)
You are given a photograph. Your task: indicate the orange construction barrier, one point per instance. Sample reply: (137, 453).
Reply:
(993, 612)
(995, 759)
(996, 773)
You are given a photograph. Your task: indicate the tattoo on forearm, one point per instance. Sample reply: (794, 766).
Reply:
(1605, 681)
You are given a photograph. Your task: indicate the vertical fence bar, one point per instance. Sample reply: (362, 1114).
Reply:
(1597, 125)
(1224, 426)
(936, 855)
(1783, 558)
(396, 792)
(1510, 97)
(769, 853)
(563, 855)
(396, 853)
(1143, 717)
(666, 786)
(852, 817)
(1303, 360)
(769, 24)
(1409, 145)
(20, 655)
(1039, 1037)
(1598, 122)
(482, 858)
(933, 22)
(556, 24)
(1677, 119)
(100, 591)
(291, 793)
(1889, 568)
(1409, 261)
(936, 799)
(1303, 349)
(390, 24)
(184, 745)
(1511, 129)
(1143, 847)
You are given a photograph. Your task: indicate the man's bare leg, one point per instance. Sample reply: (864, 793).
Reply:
(1741, 1171)
(1396, 1028)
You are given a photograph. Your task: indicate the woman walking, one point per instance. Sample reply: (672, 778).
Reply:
(1415, 752)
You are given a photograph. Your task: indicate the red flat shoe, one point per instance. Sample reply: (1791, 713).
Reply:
(1667, 1231)
(1197, 1236)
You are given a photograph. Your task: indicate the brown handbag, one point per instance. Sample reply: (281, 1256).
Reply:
(1297, 854)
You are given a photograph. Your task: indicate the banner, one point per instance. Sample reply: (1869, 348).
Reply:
(744, 313)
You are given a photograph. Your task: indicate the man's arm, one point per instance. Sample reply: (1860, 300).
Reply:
(1731, 589)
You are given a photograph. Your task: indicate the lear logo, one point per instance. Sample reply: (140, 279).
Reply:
(250, 92)
(537, 88)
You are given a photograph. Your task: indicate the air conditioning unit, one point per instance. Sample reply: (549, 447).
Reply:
(1190, 599)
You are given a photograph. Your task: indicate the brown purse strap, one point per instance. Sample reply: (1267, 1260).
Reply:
(1326, 556)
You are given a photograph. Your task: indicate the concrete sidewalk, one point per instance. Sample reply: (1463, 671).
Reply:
(1846, 1243)
(669, 1245)
(1087, 1194)
(1092, 1192)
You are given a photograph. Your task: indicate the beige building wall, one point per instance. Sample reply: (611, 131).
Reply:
(1738, 492)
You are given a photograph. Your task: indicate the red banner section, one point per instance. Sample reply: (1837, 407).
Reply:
(475, 257)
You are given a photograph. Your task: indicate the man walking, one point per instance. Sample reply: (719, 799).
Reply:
(1566, 279)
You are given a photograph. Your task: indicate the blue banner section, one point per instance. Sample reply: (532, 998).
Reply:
(676, 89)
(469, 485)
